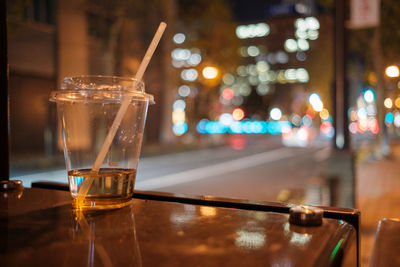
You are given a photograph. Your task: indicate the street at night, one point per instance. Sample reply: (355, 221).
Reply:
(258, 172)
(262, 170)
(197, 132)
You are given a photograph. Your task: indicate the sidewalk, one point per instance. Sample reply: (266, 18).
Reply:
(377, 196)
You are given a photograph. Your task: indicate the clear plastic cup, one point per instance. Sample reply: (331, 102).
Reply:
(87, 107)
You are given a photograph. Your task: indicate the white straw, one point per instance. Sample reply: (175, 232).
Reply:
(121, 112)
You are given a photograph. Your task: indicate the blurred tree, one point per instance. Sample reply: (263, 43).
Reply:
(369, 50)
(209, 26)
(107, 21)
(375, 48)
(360, 40)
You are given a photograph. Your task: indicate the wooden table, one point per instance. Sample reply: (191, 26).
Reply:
(40, 228)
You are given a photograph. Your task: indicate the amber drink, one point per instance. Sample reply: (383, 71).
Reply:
(87, 106)
(110, 187)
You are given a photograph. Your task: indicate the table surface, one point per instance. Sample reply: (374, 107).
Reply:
(40, 228)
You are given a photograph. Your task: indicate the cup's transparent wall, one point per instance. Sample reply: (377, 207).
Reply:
(86, 109)
(85, 124)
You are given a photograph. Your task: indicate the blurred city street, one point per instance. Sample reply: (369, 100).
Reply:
(262, 170)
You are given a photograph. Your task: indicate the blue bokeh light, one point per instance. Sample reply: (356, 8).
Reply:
(389, 118)
(180, 128)
(242, 127)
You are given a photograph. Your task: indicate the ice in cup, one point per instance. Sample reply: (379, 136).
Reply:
(87, 107)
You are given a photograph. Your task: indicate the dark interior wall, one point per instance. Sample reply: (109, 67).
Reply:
(29, 111)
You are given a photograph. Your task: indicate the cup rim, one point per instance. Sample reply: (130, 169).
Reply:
(71, 85)
(72, 82)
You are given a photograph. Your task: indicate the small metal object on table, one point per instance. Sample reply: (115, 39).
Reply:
(306, 215)
(11, 188)
(7, 185)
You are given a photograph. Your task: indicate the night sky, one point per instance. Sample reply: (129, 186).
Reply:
(245, 10)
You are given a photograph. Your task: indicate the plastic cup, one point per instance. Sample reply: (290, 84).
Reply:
(86, 107)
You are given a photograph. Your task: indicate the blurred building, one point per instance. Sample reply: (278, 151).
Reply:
(285, 51)
(49, 40)
(32, 39)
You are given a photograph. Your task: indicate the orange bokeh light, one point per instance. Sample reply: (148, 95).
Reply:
(238, 114)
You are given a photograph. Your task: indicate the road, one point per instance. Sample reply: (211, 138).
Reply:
(259, 172)
(263, 170)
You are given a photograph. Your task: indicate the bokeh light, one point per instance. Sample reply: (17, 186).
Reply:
(312, 23)
(388, 103)
(327, 129)
(307, 121)
(178, 116)
(301, 34)
(210, 72)
(392, 71)
(301, 56)
(362, 125)
(189, 74)
(353, 115)
(290, 45)
(373, 126)
(184, 91)
(226, 119)
(301, 24)
(245, 90)
(302, 75)
(242, 70)
(238, 114)
(252, 30)
(353, 127)
(312, 34)
(180, 54)
(194, 59)
(179, 38)
(276, 114)
(389, 118)
(179, 104)
(228, 79)
(369, 96)
(303, 44)
(315, 101)
(371, 110)
(281, 57)
(303, 133)
(262, 66)
(253, 51)
(396, 121)
(318, 106)
(324, 114)
(362, 113)
(228, 94)
(180, 128)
